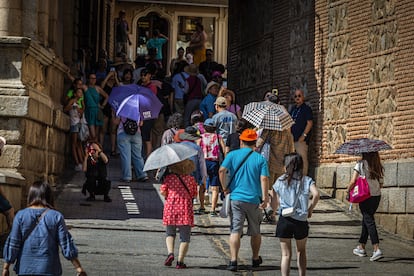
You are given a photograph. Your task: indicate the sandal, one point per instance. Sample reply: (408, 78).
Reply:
(200, 211)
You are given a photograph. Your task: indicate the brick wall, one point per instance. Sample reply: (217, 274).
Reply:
(354, 60)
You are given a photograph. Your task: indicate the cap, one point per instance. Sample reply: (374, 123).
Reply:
(209, 122)
(221, 101)
(248, 135)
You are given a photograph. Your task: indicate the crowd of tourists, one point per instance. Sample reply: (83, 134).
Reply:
(263, 171)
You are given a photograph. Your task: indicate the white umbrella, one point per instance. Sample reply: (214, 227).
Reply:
(267, 115)
(167, 155)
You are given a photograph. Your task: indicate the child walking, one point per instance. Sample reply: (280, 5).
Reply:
(212, 144)
(94, 166)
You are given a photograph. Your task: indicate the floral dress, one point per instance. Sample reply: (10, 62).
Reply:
(178, 207)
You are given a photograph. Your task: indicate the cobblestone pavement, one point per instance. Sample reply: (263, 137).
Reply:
(126, 237)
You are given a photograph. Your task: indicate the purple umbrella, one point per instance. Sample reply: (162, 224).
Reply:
(135, 102)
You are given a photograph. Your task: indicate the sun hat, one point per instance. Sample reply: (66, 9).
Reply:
(248, 135)
(190, 133)
(191, 69)
(221, 101)
(184, 167)
(209, 122)
(209, 85)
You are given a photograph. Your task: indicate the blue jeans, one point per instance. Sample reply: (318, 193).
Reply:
(130, 148)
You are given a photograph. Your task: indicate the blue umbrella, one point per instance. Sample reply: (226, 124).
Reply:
(135, 102)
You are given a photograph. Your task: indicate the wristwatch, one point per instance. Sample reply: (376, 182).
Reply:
(304, 134)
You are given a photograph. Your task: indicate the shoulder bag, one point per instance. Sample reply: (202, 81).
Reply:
(227, 182)
(360, 192)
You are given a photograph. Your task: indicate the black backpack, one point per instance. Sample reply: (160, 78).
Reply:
(130, 126)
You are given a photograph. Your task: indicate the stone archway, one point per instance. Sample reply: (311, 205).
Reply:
(166, 23)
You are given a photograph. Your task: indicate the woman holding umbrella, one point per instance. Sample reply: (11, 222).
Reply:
(179, 188)
(371, 167)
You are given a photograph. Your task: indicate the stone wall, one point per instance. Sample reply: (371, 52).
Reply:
(31, 117)
(354, 60)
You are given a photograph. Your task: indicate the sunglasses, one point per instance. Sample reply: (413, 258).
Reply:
(298, 96)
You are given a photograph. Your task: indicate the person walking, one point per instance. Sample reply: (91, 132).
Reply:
(212, 145)
(179, 188)
(302, 115)
(37, 233)
(224, 120)
(248, 194)
(371, 167)
(292, 190)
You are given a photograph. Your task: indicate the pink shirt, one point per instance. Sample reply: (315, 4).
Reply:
(210, 144)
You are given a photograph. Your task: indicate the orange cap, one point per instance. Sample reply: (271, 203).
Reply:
(248, 135)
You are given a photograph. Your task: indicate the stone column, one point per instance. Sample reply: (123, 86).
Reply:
(10, 18)
(43, 22)
(29, 18)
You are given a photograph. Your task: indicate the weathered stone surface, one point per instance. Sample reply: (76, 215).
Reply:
(35, 134)
(335, 136)
(14, 106)
(299, 33)
(385, 202)
(382, 129)
(382, 37)
(338, 48)
(337, 108)
(343, 175)
(405, 226)
(56, 141)
(337, 78)
(382, 69)
(40, 112)
(397, 200)
(325, 176)
(390, 174)
(338, 18)
(11, 157)
(388, 222)
(12, 129)
(381, 100)
(410, 200)
(61, 120)
(382, 9)
(405, 173)
(35, 159)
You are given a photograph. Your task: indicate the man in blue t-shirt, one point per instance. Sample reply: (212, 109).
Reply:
(157, 41)
(248, 194)
(302, 115)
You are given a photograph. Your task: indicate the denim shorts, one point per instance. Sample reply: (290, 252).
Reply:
(75, 128)
(288, 228)
(212, 172)
(239, 211)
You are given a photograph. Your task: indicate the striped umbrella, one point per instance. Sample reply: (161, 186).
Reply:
(267, 115)
(362, 145)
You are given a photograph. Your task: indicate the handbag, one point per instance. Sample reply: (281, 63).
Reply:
(83, 132)
(265, 150)
(288, 212)
(225, 207)
(360, 191)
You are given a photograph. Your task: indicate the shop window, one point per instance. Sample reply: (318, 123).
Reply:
(186, 27)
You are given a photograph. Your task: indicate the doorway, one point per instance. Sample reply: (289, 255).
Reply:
(145, 27)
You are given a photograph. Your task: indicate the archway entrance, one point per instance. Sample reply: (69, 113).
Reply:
(145, 27)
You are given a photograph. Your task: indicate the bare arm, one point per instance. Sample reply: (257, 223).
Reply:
(264, 181)
(308, 128)
(78, 267)
(315, 198)
(353, 181)
(103, 93)
(222, 177)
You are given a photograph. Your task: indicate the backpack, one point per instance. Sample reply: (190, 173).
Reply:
(130, 127)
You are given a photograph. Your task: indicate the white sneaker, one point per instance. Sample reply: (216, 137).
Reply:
(359, 251)
(376, 255)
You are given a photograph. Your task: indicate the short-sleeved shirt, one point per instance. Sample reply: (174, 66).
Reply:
(225, 123)
(287, 194)
(157, 43)
(210, 144)
(246, 185)
(207, 105)
(178, 83)
(363, 169)
(301, 115)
